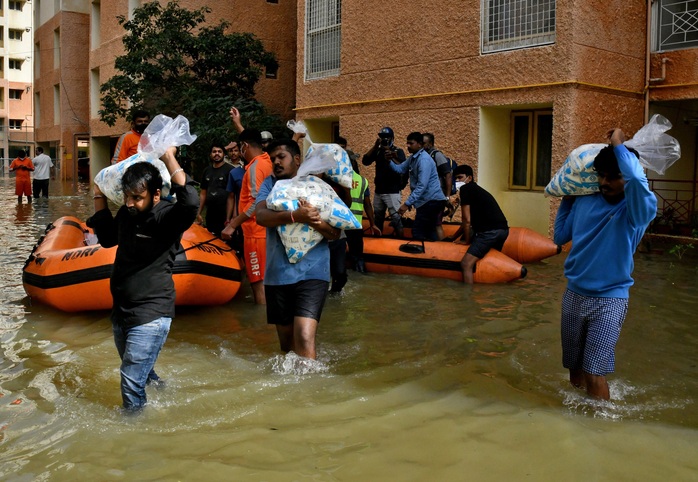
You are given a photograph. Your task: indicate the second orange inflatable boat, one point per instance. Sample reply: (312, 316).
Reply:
(65, 273)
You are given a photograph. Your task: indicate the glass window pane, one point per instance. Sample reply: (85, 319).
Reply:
(519, 175)
(544, 149)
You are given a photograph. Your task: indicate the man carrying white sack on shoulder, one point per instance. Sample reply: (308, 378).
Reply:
(605, 229)
(295, 292)
(147, 230)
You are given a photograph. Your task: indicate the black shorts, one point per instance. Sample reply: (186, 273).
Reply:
(481, 243)
(305, 299)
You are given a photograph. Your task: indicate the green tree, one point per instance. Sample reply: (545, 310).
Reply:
(176, 63)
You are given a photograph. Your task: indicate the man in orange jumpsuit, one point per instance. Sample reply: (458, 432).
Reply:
(128, 142)
(22, 166)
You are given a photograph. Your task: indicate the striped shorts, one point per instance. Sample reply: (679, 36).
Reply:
(590, 329)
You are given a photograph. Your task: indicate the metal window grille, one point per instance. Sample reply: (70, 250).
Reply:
(678, 24)
(323, 38)
(515, 24)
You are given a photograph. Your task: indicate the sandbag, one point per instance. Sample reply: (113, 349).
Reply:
(300, 238)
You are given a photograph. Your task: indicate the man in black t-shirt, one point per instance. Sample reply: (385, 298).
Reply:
(388, 183)
(214, 195)
(479, 211)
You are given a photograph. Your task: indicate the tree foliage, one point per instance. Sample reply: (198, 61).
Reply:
(176, 63)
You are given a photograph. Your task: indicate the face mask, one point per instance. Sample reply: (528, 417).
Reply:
(459, 184)
(140, 128)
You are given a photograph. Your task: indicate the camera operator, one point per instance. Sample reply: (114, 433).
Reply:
(388, 183)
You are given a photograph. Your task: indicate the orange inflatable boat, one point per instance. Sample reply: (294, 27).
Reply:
(64, 272)
(438, 260)
(523, 244)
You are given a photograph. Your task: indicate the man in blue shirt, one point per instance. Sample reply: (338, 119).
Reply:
(295, 292)
(426, 196)
(605, 229)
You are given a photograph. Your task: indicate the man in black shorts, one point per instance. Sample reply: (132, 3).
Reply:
(479, 211)
(295, 292)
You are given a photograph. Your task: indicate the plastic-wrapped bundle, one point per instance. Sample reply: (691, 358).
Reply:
(329, 159)
(162, 133)
(577, 176)
(109, 178)
(657, 150)
(299, 238)
(340, 171)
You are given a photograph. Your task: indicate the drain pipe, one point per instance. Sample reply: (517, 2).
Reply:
(648, 48)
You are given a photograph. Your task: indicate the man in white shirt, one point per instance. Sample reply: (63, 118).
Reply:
(42, 173)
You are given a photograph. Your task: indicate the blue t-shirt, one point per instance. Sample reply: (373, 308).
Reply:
(604, 236)
(235, 181)
(315, 265)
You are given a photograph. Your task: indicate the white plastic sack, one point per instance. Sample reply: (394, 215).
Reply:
(657, 152)
(577, 176)
(299, 238)
(329, 159)
(162, 132)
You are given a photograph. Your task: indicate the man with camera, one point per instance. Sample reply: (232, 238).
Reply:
(388, 182)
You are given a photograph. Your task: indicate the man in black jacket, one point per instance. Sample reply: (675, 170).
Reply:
(148, 231)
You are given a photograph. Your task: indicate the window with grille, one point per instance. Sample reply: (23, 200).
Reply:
(515, 24)
(323, 38)
(678, 24)
(16, 94)
(15, 34)
(16, 124)
(531, 149)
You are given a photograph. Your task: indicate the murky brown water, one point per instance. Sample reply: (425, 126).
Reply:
(418, 379)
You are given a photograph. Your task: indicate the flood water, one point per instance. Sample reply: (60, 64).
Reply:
(417, 379)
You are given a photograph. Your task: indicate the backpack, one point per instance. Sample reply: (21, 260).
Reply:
(453, 163)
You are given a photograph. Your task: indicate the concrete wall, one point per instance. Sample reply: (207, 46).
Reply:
(418, 68)
(61, 83)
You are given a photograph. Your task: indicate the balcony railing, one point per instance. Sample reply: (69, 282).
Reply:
(676, 206)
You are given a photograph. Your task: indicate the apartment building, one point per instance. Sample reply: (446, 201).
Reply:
(507, 86)
(77, 41)
(16, 116)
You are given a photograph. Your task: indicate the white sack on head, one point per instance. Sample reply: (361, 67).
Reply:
(162, 133)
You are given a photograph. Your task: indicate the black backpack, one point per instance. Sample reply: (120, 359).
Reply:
(453, 163)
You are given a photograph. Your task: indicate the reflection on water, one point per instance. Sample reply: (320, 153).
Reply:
(416, 379)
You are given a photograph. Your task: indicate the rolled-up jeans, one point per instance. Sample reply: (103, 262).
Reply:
(139, 347)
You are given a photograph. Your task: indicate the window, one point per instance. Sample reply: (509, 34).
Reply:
(515, 24)
(531, 149)
(323, 38)
(15, 64)
(272, 1)
(678, 24)
(16, 5)
(16, 124)
(271, 72)
(15, 34)
(16, 94)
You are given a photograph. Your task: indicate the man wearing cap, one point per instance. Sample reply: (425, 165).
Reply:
(388, 182)
(266, 140)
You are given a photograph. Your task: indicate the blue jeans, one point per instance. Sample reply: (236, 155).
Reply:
(139, 347)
